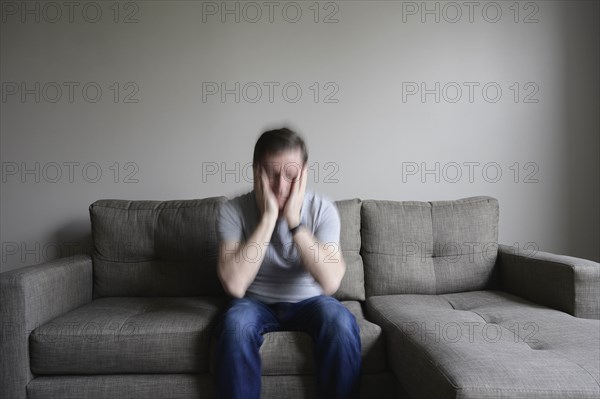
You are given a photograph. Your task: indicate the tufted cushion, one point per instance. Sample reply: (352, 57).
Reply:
(155, 248)
(429, 247)
(487, 344)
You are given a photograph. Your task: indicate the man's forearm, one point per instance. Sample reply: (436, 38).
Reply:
(236, 269)
(323, 261)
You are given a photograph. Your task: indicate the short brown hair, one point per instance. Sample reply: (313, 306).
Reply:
(277, 140)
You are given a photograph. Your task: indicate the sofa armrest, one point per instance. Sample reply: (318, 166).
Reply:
(565, 283)
(29, 297)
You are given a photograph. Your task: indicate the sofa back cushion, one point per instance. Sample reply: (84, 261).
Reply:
(155, 248)
(352, 286)
(435, 247)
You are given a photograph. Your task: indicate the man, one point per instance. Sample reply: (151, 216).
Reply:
(280, 260)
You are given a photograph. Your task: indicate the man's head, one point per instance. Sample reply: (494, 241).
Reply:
(282, 154)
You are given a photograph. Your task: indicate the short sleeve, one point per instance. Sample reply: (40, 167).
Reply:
(328, 224)
(229, 223)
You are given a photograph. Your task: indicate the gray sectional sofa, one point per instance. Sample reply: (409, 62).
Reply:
(444, 311)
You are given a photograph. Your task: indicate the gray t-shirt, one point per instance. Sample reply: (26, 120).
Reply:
(281, 277)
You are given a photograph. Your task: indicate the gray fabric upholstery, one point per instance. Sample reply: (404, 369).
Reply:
(155, 248)
(380, 386)
(352, 286)
(561, 282)
(465, 243)
(168, 335)
(128, 335)
(188, 386)
(129, 386)
(394, 258)
(435, 247)
(30, 297)
(487, 344)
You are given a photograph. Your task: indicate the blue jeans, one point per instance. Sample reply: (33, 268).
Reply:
(333, 328)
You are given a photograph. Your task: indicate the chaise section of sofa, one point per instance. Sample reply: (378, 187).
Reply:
(487, 344)
(444, 295)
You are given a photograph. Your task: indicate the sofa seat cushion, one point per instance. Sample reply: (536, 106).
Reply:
(292, 352)
(128, 335)
(485, 344)
(169, 335)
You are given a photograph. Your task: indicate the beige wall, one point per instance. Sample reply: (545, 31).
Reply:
(129, 104)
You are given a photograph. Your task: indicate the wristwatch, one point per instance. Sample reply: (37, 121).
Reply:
(293, 230)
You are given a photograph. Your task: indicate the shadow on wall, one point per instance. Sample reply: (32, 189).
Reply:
(581, 41)
(71, 238)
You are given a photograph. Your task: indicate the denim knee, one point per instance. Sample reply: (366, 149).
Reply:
(241, 324)
(337, 322)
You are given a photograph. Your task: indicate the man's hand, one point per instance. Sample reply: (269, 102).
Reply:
(293, 205)
(267, 202)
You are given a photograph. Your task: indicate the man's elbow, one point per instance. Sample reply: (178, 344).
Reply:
(235, 292)
(231, 288)
(331, 286)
